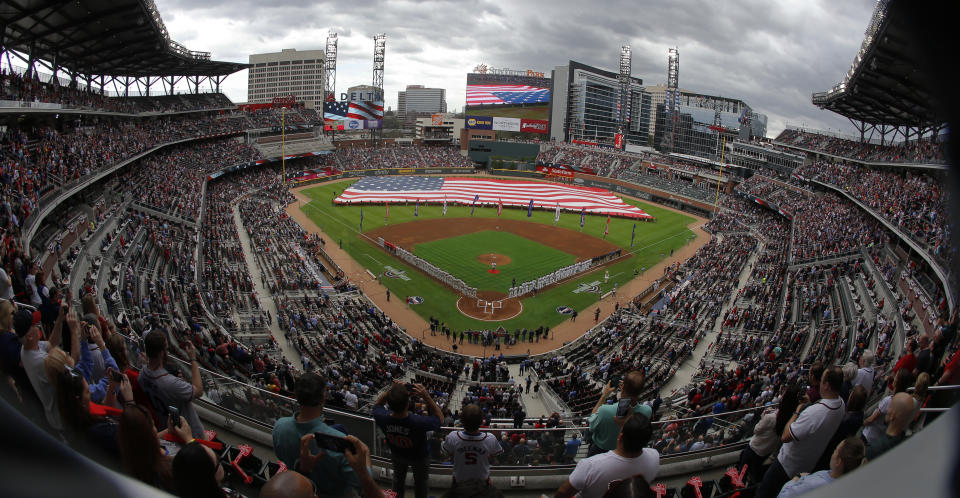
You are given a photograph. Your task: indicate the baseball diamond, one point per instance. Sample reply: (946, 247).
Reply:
(429, 234)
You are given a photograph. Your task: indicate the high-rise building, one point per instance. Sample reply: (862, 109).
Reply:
(418, 101)
(585, 106)
(285, 73)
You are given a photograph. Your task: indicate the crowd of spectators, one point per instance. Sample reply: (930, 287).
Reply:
(399, 156)
(915, 202)
(924, 151)
(16, 87)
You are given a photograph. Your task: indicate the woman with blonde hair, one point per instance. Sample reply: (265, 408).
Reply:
(920, 393)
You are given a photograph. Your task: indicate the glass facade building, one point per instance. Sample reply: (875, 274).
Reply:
(586, 106)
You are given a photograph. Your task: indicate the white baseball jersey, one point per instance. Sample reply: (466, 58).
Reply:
(471, 454)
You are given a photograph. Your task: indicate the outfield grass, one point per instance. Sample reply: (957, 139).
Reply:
(653, 242)
(458, 256)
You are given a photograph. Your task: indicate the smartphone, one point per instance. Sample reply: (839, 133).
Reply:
(623, 407)
(116, 376)
(332, 443)
(615, 381)
(174, 415)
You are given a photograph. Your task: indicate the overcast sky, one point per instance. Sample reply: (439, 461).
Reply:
(771, 54)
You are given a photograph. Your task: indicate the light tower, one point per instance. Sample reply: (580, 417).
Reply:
(672, 102)
(379, 51)
(330, 68)
(623, 106)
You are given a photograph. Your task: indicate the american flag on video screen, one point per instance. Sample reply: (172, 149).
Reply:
(435, 190)
(506, 94)
(368, 111)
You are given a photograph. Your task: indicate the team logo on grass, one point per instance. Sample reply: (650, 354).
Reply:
(392, 272)
(415, 300)
(593, 287)
(564, 310)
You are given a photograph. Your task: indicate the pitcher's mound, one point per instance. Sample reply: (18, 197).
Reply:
(474, 307)
(499, 259)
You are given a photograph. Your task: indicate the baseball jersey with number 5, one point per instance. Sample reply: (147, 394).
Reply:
(471, 454)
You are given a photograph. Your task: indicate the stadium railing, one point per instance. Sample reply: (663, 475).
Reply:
(233, 404)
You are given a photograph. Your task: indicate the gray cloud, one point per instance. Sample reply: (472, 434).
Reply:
(772, 55)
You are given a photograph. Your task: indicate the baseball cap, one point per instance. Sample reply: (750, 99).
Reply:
(22, 321)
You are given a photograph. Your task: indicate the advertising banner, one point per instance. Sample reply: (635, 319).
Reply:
(436, 119)
(354, 124)
(478, 122)
(371, 125)
(506, 124)
(551, 171)
(534, 126)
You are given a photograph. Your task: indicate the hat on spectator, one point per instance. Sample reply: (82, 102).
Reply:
(22, 321)
(91, 319)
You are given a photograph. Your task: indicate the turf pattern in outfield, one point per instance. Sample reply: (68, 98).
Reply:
(652, 243)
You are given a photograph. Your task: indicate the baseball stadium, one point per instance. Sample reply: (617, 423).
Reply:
(581, 282)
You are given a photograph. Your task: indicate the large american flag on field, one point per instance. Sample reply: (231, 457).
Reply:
(367, 111)
(506, 94)
(436, 190)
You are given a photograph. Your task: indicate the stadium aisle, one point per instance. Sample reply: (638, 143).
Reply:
(289, 352)
(532, 405)
(685, 373)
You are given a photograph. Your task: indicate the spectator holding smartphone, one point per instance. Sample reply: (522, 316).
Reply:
(603, 424)
(293, 441)
(165, 389)
(34, 353)
(407, 434)
(144, 455)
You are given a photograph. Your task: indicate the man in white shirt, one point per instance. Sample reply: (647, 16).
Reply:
(845, 459)
(806, 434)
(350, 399)
(865, 374)
(470, 449)
(593, 475)
(35, 351)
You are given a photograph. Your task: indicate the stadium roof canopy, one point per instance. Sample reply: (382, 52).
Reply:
(884, 85)
(102, 37)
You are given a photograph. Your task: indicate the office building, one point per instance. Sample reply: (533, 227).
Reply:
(289, 72)
(585, 106)
(418, 101)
